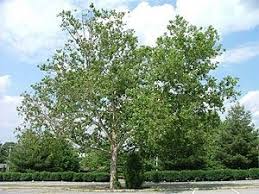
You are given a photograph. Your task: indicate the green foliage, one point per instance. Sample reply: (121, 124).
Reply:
(201, 175)
(55, 176)
(104, 91)
(43, 152)
(95, 160)
(238, 140)
(177, 111)
(133, 172)
(85, 91)
(5, 150)
(66, 176)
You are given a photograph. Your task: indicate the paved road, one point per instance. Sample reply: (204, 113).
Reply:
(236, 187)
(49, 191)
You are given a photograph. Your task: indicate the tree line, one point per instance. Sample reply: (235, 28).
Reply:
(234, 145)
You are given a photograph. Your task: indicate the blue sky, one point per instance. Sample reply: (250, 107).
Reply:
(29, 34)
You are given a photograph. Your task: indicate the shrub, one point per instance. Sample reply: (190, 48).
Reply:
(87, 177)
(36, 176)
(25, 176)
(55, 176)
(78, 177)
(8, 176)
(45, 176)
(201, 175)
(134, 176)
(253, 173)
(67, 176)
(101, 177)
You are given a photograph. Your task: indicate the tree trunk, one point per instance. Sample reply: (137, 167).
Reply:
(113, 169)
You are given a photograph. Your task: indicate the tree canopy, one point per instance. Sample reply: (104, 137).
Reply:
(238, 140)
(5, 150)
(103, 90)
(43, 152)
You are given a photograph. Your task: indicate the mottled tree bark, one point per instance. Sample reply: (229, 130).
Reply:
(113, 168)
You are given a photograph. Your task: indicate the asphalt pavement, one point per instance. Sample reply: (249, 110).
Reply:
(47, 191)
(218, 187)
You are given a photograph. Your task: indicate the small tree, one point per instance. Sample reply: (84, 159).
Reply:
(238, 140)
(43, 152)
(134, 171)
(5, 150)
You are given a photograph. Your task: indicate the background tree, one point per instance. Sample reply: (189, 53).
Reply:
(43, 152)
(5, 150)
(238, 140)
(95, 160)
(1, 155)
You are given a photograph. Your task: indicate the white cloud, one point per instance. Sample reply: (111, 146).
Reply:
(8, 115)
(251, 102)
(9, 119)
(225, 15)
(149, 22)
(30, 26)
(4, 83)
(113, 4)
(240, 54)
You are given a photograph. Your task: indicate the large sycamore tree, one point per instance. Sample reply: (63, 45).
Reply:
(178, 109)
(103, 90)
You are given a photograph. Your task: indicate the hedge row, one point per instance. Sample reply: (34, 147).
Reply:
(201, 175)
(152, 176)
(55, 176)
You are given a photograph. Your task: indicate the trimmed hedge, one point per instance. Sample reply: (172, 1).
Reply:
(151, 176)
(201, 175)
(55, 176)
